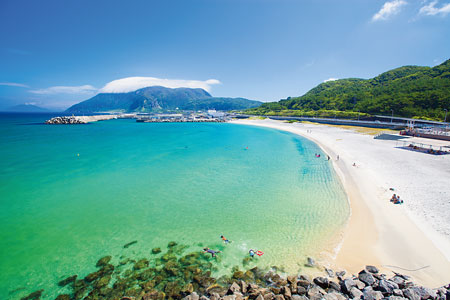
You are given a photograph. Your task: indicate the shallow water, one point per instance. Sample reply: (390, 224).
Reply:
(72, 194)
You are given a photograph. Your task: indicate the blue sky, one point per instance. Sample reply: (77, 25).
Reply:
(56, 53)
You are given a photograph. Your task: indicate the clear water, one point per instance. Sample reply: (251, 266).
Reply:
(72, 194)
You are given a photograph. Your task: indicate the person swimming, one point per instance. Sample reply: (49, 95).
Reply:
(213, 252)
(251, 252)
(225, 240)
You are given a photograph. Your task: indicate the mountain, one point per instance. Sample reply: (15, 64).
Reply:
(29, 108)
(409, 91)
(158, 98)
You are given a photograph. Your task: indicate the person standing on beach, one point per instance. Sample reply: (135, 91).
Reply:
(338, 157)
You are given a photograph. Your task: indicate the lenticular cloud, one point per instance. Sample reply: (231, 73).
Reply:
(130, 84)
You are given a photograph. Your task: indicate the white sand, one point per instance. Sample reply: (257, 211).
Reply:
(401, 238)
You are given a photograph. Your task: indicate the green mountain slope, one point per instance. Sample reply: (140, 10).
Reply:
(157, 98)
(409, 91)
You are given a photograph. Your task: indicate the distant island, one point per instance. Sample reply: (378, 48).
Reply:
(27, 108)
(159, 99)
(409, 91)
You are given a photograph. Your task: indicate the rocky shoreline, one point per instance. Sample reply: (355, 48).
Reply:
(173, 275)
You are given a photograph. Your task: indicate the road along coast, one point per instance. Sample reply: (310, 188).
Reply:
(411, 238)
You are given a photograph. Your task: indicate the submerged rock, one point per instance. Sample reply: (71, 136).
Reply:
(156, 250)
(103, 261)
(129, 244)
(141, 264)
(68, 280)
(63, 297)
(33, 296)
(172, 244)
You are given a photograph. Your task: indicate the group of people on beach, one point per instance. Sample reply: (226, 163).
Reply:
(396, 199)
(213, 253)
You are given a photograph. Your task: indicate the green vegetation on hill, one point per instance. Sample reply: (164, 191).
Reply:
(158, 98)
(410, 91)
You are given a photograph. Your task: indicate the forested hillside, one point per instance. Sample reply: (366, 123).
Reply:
(409, 91)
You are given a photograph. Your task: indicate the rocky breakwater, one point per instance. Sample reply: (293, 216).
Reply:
(368, 284)
(65, 120)
(79, 119)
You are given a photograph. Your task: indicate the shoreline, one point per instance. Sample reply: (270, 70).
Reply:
(377, 232)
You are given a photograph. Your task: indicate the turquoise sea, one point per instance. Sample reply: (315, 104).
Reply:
(70, 194)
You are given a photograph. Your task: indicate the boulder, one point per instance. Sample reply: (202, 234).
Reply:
(370, 294)
(347, 285)
(286, 292)
(63, 297)
(359, 284)
(366, 277)
(329, 272)
(322, 282)
(411, 294)
(171, 244)
(192, 296)
(340, 274)
(315, 292)
(385, 287)
(129, 244)
(279, 297)
(400, 281)
(233, 288)
(333, 285)
(310, 263)
(33, 296)
(232, 297)
(355, 293)
(397, 292)
(156, 250)
(66, 281)
(425, 293)
(301, 290)
(140, 264)
(304, 283)
(297, 297)
(269, 296)
(372, 269)
(214, 296)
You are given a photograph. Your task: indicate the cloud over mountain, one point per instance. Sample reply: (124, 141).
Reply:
(130, 84)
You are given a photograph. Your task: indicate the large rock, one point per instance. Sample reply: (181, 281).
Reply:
(233, 288)
(355, 293)
(304, 283)
(372, 269)
(310, 263)
(333, 285)
(385, 287)
(425, 293)
(366, 277)
(400, 281)
(297, 297)
(66, 281)
(347, 285)
(411, 294)
(33, 296)
(370, 294)
(322, 282)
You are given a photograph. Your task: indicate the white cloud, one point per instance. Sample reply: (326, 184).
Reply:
(330, 79)
(431, 10)
(82, 89)
(389, 8)
(14, 84)
(130, 84)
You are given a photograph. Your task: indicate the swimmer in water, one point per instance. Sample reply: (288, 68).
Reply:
(213, 252)
(224, 239)
(251, 252)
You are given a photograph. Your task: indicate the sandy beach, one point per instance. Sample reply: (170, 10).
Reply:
(412, 238)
